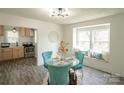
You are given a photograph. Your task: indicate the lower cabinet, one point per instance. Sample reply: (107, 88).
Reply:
(11, 53)
(15, 53)
(1, 58)
(7, 54)
(21, 52)
(18, 52)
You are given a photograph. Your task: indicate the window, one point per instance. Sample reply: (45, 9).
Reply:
(83, 43)
(92, 38)
(12, 37)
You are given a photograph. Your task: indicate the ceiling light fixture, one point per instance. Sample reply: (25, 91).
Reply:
(60, 12)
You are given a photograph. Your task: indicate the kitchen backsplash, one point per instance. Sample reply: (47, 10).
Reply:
(2, 39)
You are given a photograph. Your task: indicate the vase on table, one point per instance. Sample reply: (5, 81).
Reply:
(62, 57)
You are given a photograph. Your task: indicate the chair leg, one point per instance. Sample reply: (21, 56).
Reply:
(48, 81)
(82, 74)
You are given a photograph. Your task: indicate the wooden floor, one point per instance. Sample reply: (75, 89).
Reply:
(93, 76)
(21, 72)
(26, 72)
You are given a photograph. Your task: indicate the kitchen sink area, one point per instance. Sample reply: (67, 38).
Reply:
(17, 42)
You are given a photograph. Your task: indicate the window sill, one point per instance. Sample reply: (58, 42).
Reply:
(91, 58)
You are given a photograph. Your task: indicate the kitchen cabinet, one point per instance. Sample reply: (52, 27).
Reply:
(11, 53)
(1, 30)
(6, 53)
(22, 31)
(15, 53)
(18, 52)
(1, 55)
(26, 32)
(32, 33)
(21, 52)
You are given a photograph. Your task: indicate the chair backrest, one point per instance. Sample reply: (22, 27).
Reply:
(59, 75)
(80, 56)
(46, 56)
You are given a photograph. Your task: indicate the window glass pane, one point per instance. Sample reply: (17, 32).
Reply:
(100, 47)
(101, 35)
(83, 36)
(100, 39)
(83, 45)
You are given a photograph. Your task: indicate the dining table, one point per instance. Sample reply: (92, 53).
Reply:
(58, 62)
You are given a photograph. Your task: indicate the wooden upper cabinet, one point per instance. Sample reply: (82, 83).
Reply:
(1, 30)
(22, 32)
(26, 32)
(32, 34)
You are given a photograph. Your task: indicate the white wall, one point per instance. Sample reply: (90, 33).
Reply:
(43, 30)
(116, 64)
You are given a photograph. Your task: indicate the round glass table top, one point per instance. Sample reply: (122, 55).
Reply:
(67, 61)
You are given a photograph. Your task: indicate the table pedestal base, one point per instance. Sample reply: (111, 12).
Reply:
(72, 77)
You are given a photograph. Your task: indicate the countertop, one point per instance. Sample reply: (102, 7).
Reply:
(12, 47)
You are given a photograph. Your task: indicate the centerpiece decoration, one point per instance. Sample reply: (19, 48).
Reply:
(62, 50)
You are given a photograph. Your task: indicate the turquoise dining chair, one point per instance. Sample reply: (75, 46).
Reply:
(80, 56)
(59, 75)
(46, 57)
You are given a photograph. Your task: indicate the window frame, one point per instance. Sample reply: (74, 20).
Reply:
(92, 42)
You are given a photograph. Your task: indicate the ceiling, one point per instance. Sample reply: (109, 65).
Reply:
(76, 14)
